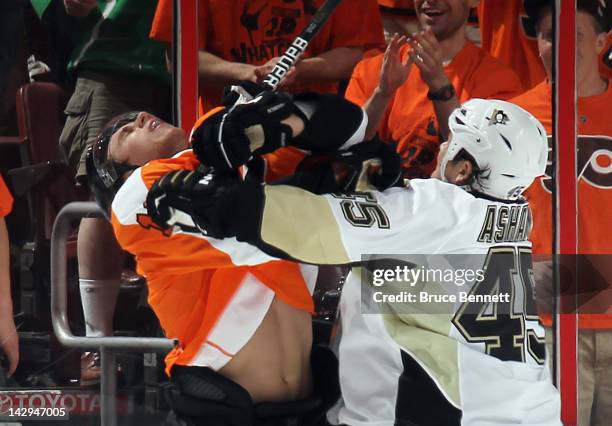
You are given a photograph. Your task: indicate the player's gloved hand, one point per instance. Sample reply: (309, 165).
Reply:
(373, 162)
(229, 138)
(220, 142)
(184, 198)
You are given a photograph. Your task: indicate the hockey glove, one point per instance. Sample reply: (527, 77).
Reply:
(261, 119)
(230, 137)
(373, 162)
(185, 198)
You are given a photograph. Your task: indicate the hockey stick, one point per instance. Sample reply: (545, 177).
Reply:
(299, 45)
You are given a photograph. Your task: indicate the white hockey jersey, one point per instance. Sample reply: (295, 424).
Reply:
(485, 358)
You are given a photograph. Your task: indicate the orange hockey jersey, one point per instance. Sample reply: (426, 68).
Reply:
(204, 291)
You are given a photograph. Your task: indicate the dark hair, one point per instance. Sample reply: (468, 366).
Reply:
(104, 175)
(478, 176)
(598, 10)
(111, 128)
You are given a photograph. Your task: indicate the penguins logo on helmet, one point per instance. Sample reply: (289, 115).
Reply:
(498, 117)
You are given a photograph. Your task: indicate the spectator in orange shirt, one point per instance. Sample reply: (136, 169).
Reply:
(242, 40)
(509, 36)
(419, 87)
(594, 189)
(9, 341)
(594, 97)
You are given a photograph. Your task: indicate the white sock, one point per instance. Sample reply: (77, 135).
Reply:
(99, 298)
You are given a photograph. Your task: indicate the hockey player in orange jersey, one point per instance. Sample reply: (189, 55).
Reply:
(242, 329)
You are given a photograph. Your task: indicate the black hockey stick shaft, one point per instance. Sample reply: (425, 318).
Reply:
(299, 45)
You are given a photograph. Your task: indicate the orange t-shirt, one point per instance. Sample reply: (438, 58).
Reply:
(254, 32)
(502, 32)
(192, 279)
(595, 181)
(6, 200)
(410, 121)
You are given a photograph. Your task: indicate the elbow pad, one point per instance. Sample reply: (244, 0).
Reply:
(331, 122)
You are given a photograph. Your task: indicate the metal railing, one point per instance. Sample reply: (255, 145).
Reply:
(59, 314)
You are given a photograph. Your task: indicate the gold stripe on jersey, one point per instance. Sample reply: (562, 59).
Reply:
(426, 337)
(312, 234)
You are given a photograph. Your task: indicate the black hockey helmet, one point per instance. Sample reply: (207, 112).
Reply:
(104, 174)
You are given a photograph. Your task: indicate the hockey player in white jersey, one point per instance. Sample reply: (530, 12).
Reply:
(479, 363)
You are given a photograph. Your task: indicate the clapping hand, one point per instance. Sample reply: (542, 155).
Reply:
(426, 54)
(396, 66)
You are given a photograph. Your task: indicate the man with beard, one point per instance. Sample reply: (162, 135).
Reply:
(411, 90)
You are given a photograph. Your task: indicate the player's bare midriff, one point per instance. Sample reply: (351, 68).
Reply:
(275, 363)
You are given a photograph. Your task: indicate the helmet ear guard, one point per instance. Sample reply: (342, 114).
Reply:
(463, 133)
(104, 175)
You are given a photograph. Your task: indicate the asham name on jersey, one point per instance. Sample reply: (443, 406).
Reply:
(506, 223)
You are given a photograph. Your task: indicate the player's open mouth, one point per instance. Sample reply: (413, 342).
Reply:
(154, 124)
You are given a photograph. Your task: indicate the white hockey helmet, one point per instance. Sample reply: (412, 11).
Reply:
(508, 144)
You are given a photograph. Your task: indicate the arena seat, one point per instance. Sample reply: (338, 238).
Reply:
(48, 185)
(42, 179)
